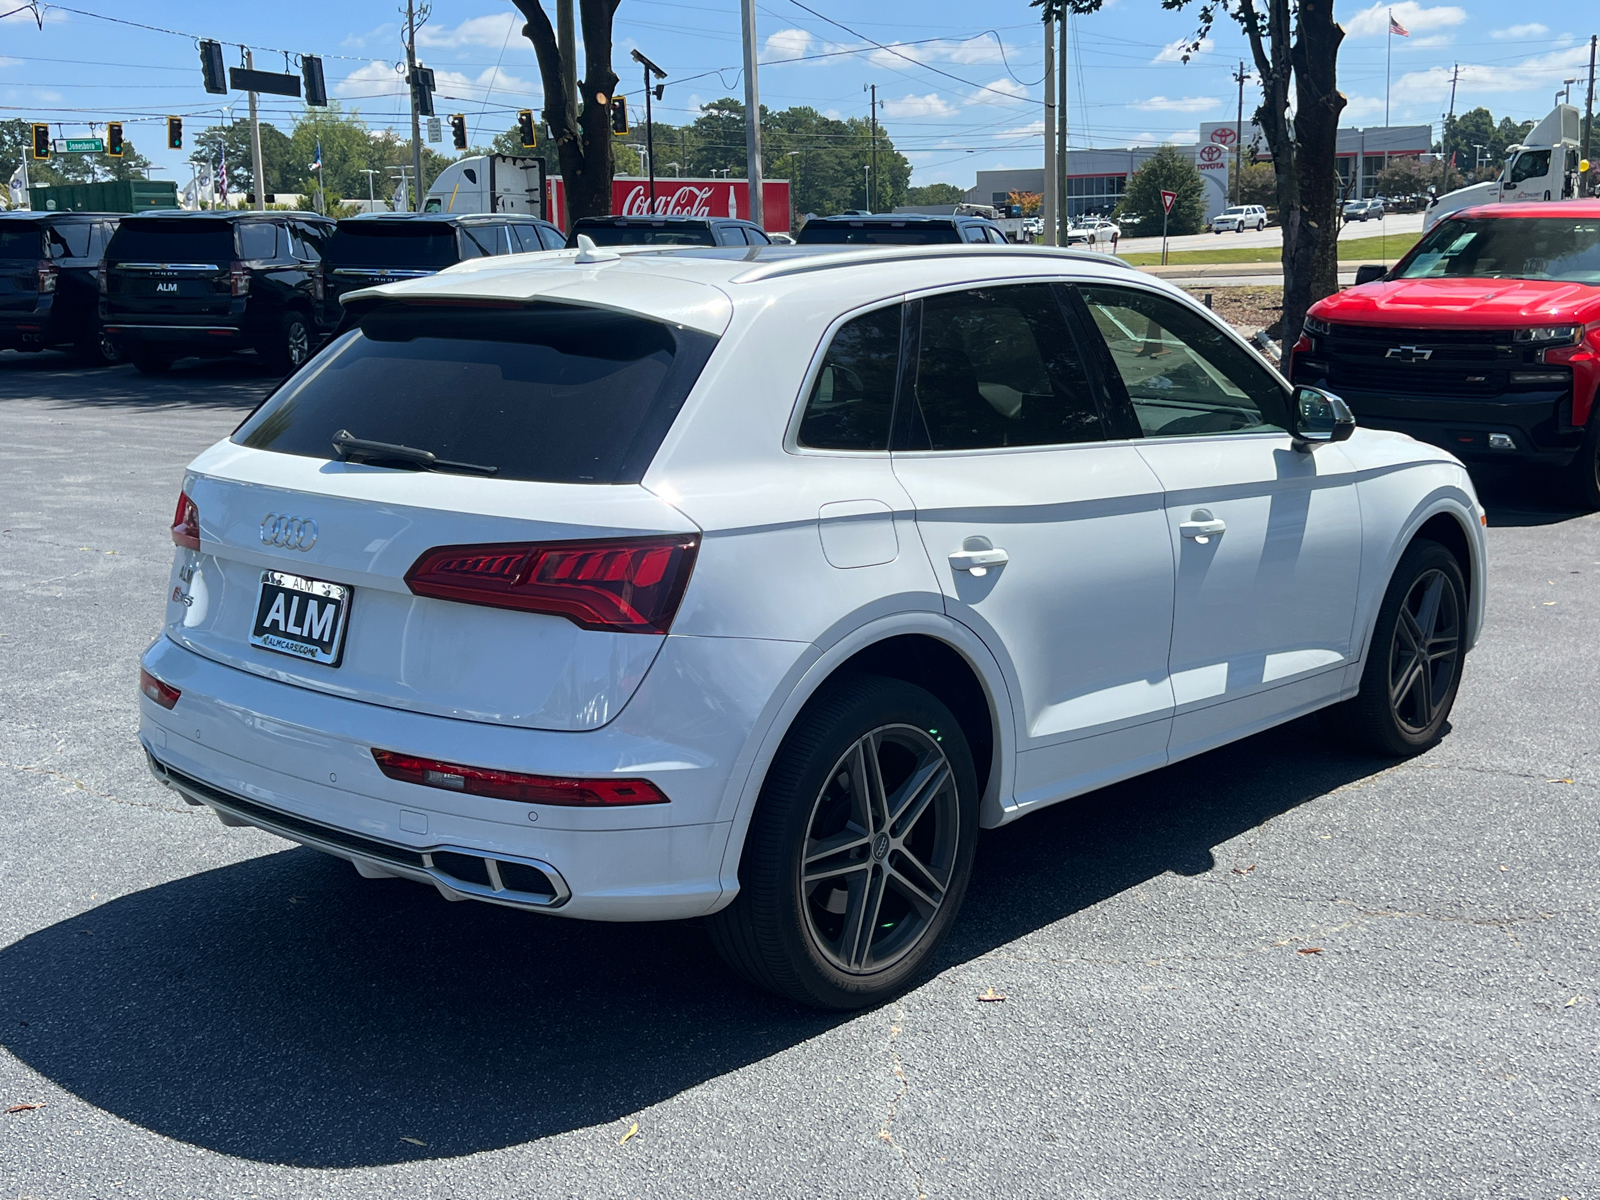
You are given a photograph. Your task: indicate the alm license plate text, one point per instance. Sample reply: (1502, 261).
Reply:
(302, 617)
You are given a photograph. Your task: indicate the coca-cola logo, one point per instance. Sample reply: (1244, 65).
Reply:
(682, 201)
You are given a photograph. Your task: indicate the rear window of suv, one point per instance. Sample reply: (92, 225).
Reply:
(547, 392)
(604, 234)
(818, 234)
(189, 240)
(425, 245)
(21, 241)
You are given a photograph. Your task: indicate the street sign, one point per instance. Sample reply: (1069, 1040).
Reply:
(242, 79)
(435, 133)
(79, 146)
(1167, 199)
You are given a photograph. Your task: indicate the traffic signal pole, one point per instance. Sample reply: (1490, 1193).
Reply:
(416, 125)
(752, 114)
(255, 143)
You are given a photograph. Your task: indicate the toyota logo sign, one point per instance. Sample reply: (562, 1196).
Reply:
(292, 533)
(1223, 136)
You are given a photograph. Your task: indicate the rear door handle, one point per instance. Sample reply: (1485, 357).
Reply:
(978, 561)
(1202, 526)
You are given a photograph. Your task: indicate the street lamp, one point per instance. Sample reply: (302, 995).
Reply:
(676, 168)
(1565, 95)
(649, 123)
(866, 187)
(644, 155)
(1477, 159)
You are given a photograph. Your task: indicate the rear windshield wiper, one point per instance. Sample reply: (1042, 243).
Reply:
(353, 449)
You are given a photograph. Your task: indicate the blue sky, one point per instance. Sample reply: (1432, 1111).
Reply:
(958, 82)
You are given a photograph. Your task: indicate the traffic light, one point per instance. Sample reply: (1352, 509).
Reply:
(212, 68)
(41, 143)
(316, 85)
(525, 129)
(458, 130)
(619, 114)
(114, 139)
(422, 90)
(174, 133)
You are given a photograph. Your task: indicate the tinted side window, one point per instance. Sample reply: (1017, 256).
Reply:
(999, 367)
(973, 233)
(524, 238)
(1183, 375)
(756, 237)
(1530, 164)
(553, 239)
(70, 239)
(258, 239)
(852, 400)
(310, 240)
(477, 241)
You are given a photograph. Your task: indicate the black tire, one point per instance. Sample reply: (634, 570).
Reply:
(149, 363)
(1583, 476)
(96, 349)
(1414, 663)
(779, 931)
(293, 345)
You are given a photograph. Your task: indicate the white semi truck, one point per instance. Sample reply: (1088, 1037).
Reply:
(489, 183)
(1545, 167)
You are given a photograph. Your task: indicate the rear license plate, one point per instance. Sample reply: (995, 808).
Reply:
(302, 617)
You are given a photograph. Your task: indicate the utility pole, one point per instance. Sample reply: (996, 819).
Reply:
(649, 122)
(372, 202)
(1049, 204)
(255, 143)
(872, 117)
(1238, 137)
(1449, 128)
(416, 125)
(1063, 195)
(752, 114)
(1587, 187)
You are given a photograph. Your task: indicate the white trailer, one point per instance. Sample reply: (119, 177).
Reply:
(489, 183)
(1545, 167)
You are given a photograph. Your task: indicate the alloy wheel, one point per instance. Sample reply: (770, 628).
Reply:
(880, 848)
(1426, 652)
(299, 344)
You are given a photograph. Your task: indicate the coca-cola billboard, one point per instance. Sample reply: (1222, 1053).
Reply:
(684, 198)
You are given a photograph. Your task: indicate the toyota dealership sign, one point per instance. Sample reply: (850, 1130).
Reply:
(630, 197)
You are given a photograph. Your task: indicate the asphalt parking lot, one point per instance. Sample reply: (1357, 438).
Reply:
(1278, 970)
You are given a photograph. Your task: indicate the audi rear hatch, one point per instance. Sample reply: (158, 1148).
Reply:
(442, 513)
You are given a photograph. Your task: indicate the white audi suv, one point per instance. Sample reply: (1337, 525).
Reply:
(752, 584)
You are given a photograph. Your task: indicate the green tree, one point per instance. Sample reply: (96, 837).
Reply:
(1475, 138)
(1257, 184)
(16, 143)
(1411, 176)
(935, 193)
(1170, 171)
(283, 174)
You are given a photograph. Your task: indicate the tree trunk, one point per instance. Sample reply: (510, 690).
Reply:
(1271, 49)
(583, 139)
(1318, 103)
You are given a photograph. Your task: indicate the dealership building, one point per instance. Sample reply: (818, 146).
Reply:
(1096, 179)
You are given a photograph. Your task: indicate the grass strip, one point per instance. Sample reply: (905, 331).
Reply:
(1361, 249)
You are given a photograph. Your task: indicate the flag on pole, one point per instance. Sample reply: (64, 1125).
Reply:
(316, 163)
(222, 174)
(19, 186)
(1396, 28)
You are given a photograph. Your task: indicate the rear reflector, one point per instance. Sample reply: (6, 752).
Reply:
(186, 523)
(512, 785)
(161, 693)
(620, 585)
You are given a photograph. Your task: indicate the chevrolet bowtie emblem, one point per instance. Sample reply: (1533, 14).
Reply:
(1409, 354)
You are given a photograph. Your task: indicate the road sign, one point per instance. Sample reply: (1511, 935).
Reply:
(79, 146)
(1167, 199)
(435, 134)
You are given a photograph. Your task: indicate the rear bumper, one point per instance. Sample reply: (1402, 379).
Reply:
(32, 330)
(187, 339)
(299, 763)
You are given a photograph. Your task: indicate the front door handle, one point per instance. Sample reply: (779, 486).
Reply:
(978, 561)
(1202, 526)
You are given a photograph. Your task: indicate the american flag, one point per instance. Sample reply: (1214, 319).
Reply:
(222, 175)
(1396, 28)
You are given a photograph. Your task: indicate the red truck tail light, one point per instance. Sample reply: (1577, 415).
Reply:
(619, 585)
(186, 523)
(513, 785)
(162, 693)
(47, 276)
(239, 279)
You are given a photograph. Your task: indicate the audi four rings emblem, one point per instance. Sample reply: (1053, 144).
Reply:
(292, 533)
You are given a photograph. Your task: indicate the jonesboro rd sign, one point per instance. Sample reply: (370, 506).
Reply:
(79, 145)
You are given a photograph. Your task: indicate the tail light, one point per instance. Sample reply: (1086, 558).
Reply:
(239, 280)
(620, 585)
(319, 284)
(186, 523)
(163, 694)
(513, 785)
(47, 276)
(102, 277)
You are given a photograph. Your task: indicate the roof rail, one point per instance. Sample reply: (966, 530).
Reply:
(868, 255)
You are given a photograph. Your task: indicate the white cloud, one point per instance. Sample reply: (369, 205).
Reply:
(1374, 21)
(1173, 52)
(1000, 91)
(369, 81)
(1189, 104)
(492, 30)
(785, 44)
(1539, 72)
(1183, 137)
(1531, 30)
(1433, 39)
(380, 80)
(931, 105)
(10, 62)
(979, 51)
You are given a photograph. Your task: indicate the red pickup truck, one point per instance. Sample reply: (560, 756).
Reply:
(1484, 339)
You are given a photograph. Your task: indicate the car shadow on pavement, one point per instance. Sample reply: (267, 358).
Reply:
(283, 1010)
(238, 382)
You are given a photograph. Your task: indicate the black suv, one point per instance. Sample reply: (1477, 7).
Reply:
(898, 229)
(384, 247)
(669, 231)
(178, 283)
(49, 295)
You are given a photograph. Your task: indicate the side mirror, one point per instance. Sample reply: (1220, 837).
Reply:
(1507, 186)
(1320, 417)
(1370, 273)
